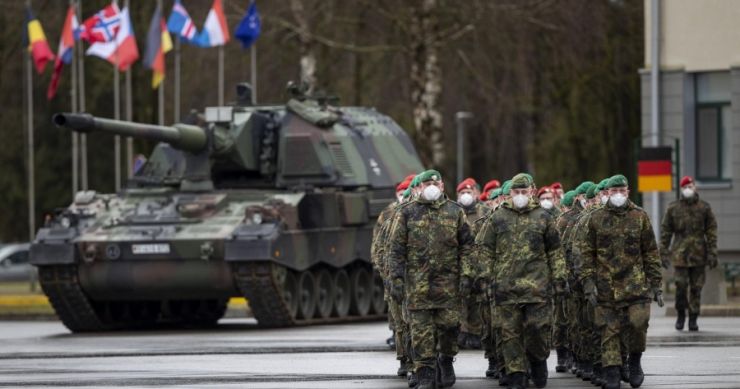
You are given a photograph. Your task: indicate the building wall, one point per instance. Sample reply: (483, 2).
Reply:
(677, 104)
(696, 35)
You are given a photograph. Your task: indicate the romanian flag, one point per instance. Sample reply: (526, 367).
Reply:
(37, 44)
(158, 43)
(655, 169)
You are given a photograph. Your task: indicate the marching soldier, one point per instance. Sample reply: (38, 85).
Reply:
(689, 222)
(521, 242)
(430, 245)
(620, 273)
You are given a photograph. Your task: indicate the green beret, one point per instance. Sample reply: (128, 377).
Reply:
(521, 180)
(591, 192)
(617, 181)
(415, 182)
(602, 184)
(581, 189)
(568, 198)
(506, 188)
(429, 175)
(407, 193)
(492, 195)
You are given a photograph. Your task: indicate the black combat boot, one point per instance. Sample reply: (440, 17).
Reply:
(445, 371)
(517, 380)
(425, 377)
(462, 340)
(624, 370)
(562, 359)
(492, 371)
(611, 378)
(413, 379)
(636, 374)
(680, 319)
(579, 369)
(575, 364)
(503, 378)
(539, 373)
(692, 323)
(404, 368)
(597, 378)
(587, 371)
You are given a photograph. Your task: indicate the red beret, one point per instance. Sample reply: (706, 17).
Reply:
(556, 185)
(403, 185)
(483, 196)
(410, 177)
(490, 185)
(543, 190)
(686, 180)
(467, 183)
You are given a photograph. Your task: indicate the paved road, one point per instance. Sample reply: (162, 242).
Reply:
(237, 354)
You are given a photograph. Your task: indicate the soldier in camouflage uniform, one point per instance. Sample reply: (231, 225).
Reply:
(546, 197)
(487, 189)
(488, 338)
(472, 323)
(619, 273)
(521, 242)
(690, 223)
(377, 257)
(566, 226)
(430, 250)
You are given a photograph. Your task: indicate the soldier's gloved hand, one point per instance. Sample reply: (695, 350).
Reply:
(665, 260)
(466, 287)
(397, 290)
(589, 290)
(712, 262)
(658, 296)
(562, 288)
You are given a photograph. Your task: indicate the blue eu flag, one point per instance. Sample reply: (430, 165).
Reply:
(250, 27)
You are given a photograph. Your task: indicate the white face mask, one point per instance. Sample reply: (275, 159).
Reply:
(466, 199)
(583, 202)
(687, 193)
(400, 198)
(618, 199)
(520, 200)
(547, 204)
(604, 199)
(431, 193)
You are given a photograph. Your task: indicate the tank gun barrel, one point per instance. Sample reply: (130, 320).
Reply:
(181, 136)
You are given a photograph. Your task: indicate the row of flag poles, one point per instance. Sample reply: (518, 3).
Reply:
(110, 35)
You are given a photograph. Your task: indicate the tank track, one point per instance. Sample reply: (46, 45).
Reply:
(72, 306)
(256, 281)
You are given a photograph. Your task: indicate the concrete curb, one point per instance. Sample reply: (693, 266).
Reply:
(710, 310)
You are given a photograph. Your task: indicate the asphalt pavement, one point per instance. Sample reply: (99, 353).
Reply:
(238, 354)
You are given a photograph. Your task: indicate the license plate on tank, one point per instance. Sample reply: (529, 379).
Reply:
(152, 248)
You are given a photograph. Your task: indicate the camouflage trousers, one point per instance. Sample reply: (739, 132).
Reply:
(493, 344)
(689, 282)
(525, 331)
(621, 327)
(589, 337)
(560, 324)
(400, 328)
(487, 337)
(472, 320)
(433, 332)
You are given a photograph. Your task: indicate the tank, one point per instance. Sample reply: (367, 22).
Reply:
(275, 204)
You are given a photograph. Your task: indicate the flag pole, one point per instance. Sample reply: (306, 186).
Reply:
(160, 89)
(129, 117)
(253, 70)
(81, 79)
(176, 96)
(221, 75)
(29, 106)
(75, 135)
(117, 116)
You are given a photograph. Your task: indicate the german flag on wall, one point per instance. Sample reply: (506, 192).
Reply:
(655, 169)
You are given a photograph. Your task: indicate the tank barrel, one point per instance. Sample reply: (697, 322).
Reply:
(181, 136)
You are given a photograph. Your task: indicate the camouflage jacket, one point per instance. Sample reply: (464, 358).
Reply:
(565, 224)
(617, 250)
(522, 248)
(380, 238)
(474, 213)
(691, 224)
(430, 244)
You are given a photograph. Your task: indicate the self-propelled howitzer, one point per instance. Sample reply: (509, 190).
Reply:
(272, 203)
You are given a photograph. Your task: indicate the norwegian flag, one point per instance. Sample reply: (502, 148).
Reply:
(103, 26)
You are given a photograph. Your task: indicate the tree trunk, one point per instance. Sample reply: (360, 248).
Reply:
(308, 58)
(426, 84)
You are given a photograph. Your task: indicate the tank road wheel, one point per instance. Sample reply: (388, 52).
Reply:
(378, 305)
(342, 294)
(290, 293)
(307, 295)
(362, 293)
(325, 291)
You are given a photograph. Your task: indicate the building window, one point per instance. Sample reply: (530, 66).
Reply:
(713, 126)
